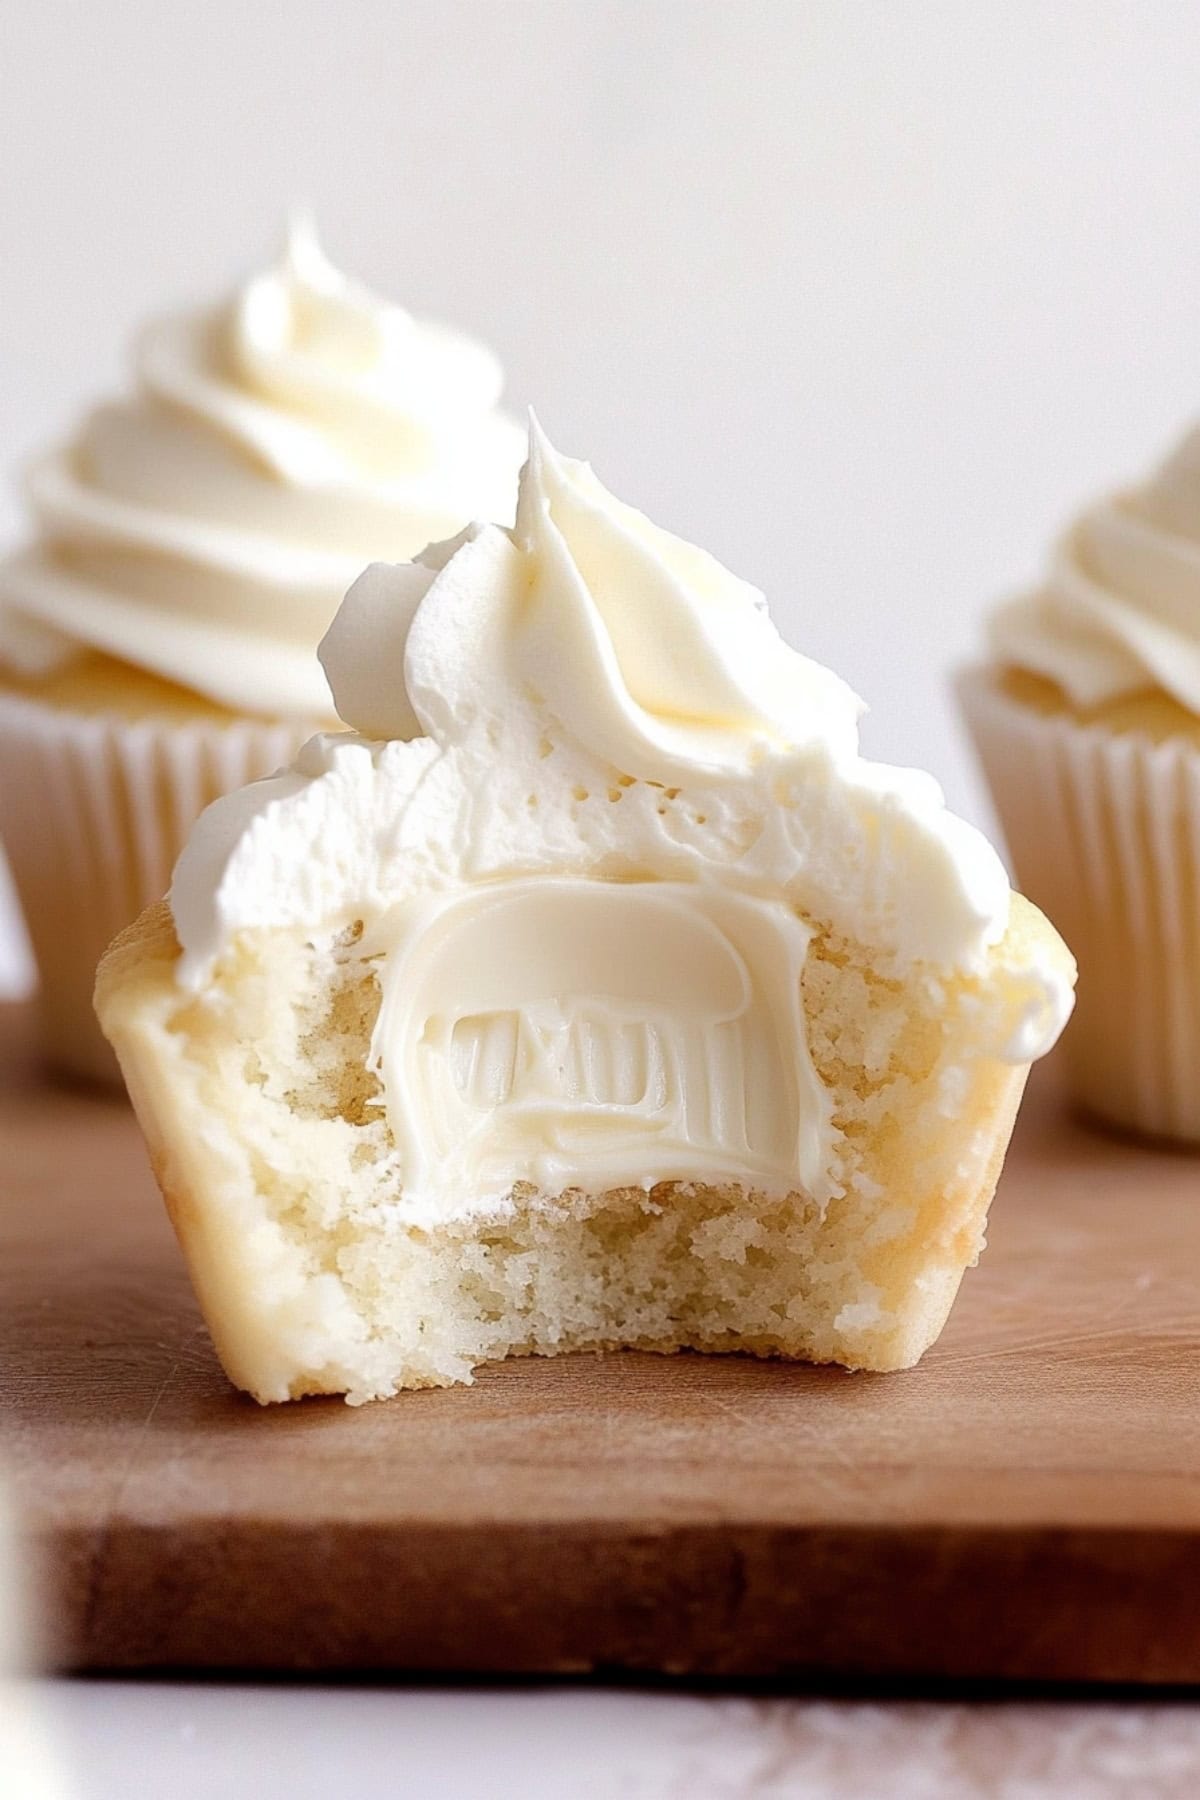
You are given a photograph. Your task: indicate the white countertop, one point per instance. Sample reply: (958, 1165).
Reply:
(188, 1741)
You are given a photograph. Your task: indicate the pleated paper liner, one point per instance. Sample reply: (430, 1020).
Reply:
(94, 811)
(1104, 833)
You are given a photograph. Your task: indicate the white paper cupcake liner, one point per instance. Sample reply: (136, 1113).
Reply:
(94, 811)
(1104, 833)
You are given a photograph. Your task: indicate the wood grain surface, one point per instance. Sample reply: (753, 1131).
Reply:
(1024, 1505)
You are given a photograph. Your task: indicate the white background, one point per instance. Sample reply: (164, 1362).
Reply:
(863, 296)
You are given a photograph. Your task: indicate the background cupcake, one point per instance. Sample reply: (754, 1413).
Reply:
(157, 639)
(1087, 721)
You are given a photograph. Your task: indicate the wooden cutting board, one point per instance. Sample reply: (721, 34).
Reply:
(1026, 1504)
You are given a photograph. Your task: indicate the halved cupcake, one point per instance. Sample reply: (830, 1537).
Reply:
(591, 990)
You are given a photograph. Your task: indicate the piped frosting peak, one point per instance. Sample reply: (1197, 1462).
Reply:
(206, 528)
(1119, 610)
(664, 663)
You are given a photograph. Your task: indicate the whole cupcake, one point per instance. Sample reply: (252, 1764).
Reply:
(193, 542)
(1087, 721)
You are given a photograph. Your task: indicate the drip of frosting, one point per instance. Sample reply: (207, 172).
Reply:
(206, 529)
(1119, 611)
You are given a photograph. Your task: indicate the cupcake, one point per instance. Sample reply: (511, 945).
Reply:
(158, 636)
(1087, 721)
(590, 991)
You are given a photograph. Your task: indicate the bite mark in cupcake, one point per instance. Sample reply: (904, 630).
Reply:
(591, 990)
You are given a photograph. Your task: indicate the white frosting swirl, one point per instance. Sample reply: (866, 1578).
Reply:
(206, 529)
(1119, 612)
(587, 695)
(591, 813)
(663, 663)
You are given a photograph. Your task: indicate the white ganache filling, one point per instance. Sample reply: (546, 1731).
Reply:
(587, 800)
(645, 1031)
(1119, 610)
(206, 529)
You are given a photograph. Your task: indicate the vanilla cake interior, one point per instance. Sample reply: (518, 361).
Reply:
(271, 1142)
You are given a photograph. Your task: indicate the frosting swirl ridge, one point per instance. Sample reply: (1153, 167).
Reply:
(1119, 611)
(652, 653)
(206, 528)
